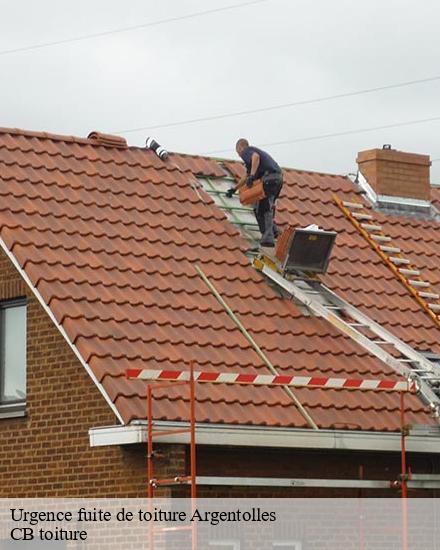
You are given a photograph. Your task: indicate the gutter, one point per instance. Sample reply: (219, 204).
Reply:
(418, 441)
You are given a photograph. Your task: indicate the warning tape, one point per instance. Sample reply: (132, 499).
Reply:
(274, 380)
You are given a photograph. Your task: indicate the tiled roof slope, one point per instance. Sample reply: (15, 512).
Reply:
(109, 238)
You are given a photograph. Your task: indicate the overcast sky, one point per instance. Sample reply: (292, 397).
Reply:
(258, 55)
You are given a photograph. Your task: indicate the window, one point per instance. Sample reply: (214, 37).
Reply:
(12, 352)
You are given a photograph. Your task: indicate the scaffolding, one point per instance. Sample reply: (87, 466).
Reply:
(178, 378)
(172, 378)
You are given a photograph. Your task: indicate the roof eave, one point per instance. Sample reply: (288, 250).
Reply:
(275, 437)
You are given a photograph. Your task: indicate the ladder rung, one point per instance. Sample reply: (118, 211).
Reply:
(178, 480)
(246, 224)
(331, 306)
(371, 227)
(381, 238)
(409, 272)
(361, 216)
(357, 325)
(390, 249)
(352, 204)
(408, 360)
(434, 307)
(382, 342)
(431, 295)
(420, 370)
(414, 282)
(399, 261)
(235, 208)
(218, 192)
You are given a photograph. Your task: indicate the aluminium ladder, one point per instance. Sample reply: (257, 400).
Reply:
(323, 302)
(392, 256)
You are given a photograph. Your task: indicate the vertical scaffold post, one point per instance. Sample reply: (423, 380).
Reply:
(361, 512)
(404, 474)
(193, 461)
(193, 472)
(150, 441)
(150, 488)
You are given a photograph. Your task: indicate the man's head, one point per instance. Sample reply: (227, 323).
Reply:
(241, 145)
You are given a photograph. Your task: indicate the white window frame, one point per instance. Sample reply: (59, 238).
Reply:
(13, 408)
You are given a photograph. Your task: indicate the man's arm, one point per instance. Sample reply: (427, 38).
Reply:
(250, 176)
(255, 163)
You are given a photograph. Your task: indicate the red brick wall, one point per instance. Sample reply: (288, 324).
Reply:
(47, 453)
(395, 173)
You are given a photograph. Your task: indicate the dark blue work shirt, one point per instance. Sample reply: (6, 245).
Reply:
(267, 164)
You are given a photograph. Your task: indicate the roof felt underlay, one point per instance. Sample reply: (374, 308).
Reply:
(110, 237)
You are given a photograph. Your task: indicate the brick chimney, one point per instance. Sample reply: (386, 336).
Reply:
(395, 173)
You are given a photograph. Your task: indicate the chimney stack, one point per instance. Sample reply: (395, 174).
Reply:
(392, 173)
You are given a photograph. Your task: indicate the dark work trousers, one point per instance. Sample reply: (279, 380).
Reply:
(265, 209)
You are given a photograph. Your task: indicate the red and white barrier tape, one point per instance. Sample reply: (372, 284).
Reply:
(272, 380)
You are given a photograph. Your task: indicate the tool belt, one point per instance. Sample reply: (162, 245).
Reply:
(270, 177)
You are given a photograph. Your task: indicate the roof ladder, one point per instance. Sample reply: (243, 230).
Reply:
(349, 320)
(393, 257)
(240, 216)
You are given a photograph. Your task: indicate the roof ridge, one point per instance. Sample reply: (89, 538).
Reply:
(112, 140)
(94, 142)
(46, 135)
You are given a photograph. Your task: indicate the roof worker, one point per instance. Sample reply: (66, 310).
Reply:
(260, 165)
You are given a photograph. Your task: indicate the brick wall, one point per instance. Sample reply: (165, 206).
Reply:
(396, 173)
(47, 453)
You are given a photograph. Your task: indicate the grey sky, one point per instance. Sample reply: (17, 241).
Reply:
(278, 51)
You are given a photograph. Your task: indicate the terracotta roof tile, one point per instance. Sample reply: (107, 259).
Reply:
(109, 237)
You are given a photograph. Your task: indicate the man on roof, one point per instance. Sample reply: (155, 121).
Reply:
(260, 165)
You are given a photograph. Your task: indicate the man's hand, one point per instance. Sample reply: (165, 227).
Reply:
(230, 192)
(250, 180)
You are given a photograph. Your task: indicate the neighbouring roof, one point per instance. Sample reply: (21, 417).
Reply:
(109, 237)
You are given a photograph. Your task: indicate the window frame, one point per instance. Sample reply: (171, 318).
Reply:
(16, 408)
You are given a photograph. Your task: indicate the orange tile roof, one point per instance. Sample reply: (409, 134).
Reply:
(109, 237)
